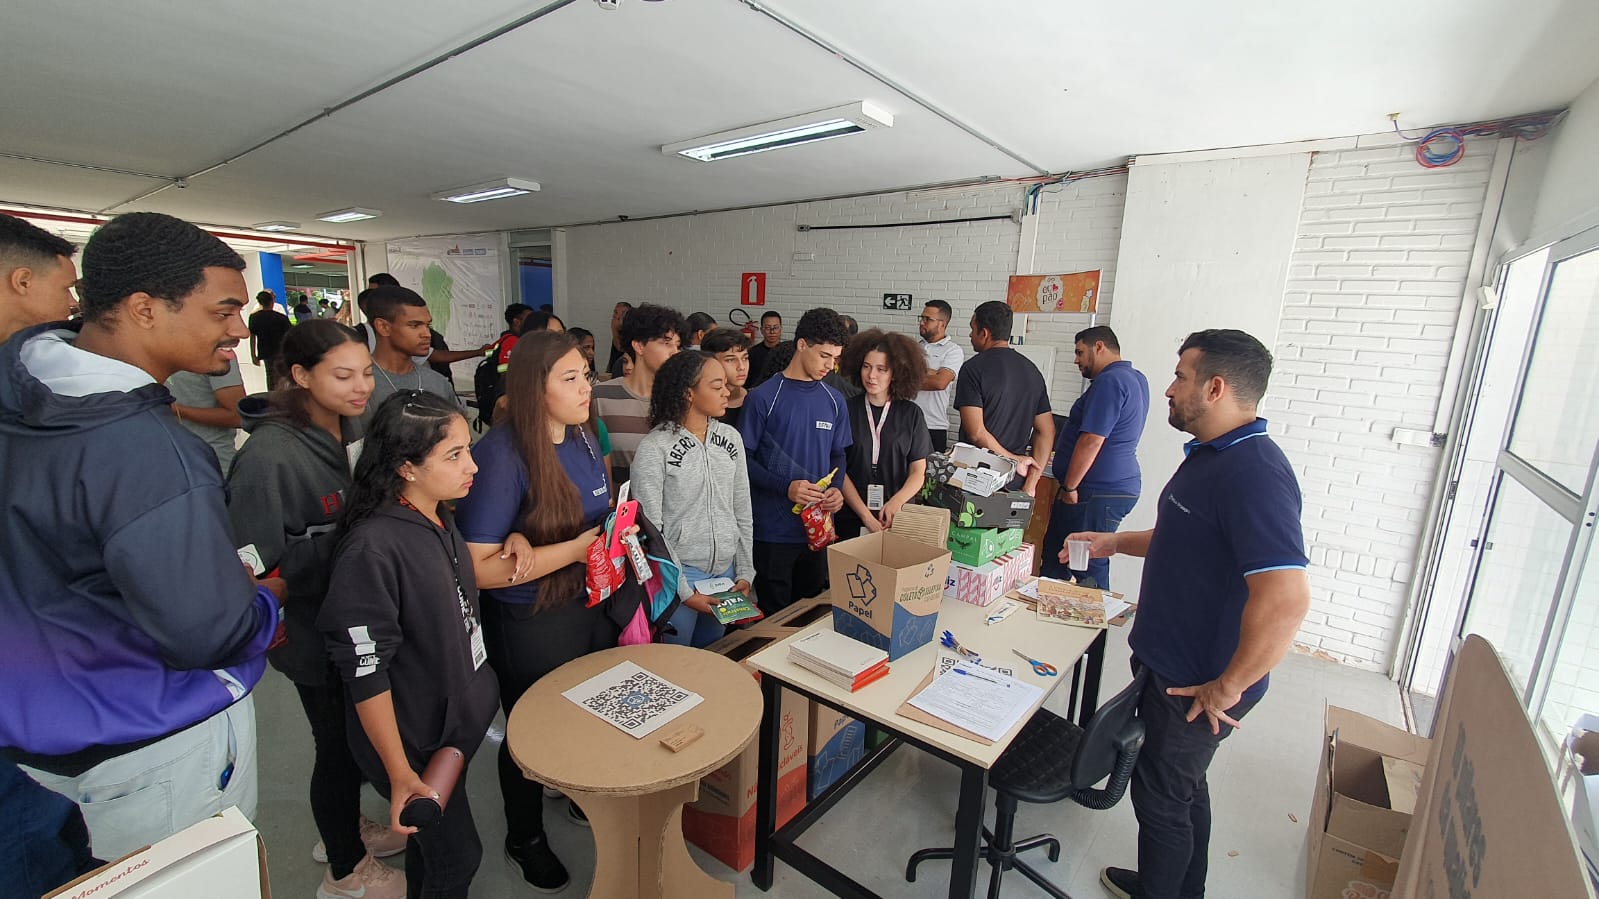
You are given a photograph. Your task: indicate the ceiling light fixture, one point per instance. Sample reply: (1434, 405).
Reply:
(824, 124)
(276, 226)
(497, 189)
(303, 266)
(352, 214)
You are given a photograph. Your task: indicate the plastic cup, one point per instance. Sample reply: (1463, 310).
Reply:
(1077, 550)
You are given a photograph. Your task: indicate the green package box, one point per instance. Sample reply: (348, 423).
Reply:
(975, 546)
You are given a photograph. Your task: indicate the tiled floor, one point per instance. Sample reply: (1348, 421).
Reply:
(1260, 778)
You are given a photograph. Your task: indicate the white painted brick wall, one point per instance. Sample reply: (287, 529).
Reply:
(1373, 293)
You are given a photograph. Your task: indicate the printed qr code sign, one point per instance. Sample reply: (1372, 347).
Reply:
(632, 699)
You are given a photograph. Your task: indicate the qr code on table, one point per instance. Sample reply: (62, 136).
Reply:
(636, 700)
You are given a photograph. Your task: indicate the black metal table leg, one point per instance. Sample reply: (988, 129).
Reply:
(1093, 669)
(766, 791)
(968, 832)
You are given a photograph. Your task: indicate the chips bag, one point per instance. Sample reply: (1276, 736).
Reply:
(818, 527)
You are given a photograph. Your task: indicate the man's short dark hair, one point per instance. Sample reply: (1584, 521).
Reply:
(1099, 334)
(386, 302)
(383, 279)
(1235, 357)
(723, 339)
(851, 326)
(147, 252)
(994, 317)
(266, 298)
(537, 320)
(514, 312)
(648, 322)
(698, 321)
(944, 311)
(822, 326)
(770, 314)
(25, 245)
(580, 333)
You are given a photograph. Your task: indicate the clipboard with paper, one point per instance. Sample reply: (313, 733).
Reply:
(971, 701)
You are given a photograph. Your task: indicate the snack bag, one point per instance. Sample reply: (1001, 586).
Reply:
(818, 527)
(605, 572)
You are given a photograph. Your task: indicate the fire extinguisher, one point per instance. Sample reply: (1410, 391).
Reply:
(741, 320)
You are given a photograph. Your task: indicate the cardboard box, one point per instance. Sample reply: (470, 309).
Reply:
(971, 469)
(795, 617)
(974, 546)
(220, 856)
(722, 820)
(835, 744)
(886, 590)
(1362, 809)
(980, 585)
(1003, 509)
(1489, 822)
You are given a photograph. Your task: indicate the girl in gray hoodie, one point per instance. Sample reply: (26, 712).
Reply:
(689, 477)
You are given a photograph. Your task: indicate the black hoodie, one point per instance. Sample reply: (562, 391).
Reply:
(400, 615)
(285, 491)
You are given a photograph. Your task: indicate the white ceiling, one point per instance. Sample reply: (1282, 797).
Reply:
(581, 99)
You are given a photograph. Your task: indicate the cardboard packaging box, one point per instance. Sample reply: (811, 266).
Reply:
(836, 742)
(980, 585)
(974, 546)
(1003, 509)
(1361, 813)
(722, 820)
(970, 468)
(220, 856)
(886, 590)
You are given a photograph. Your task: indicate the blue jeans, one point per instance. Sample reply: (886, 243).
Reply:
(693, 628)
(1091, 512)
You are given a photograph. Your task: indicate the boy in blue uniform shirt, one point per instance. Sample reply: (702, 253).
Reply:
(795, 431)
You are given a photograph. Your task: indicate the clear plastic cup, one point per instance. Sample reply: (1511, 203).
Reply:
(1077, 551)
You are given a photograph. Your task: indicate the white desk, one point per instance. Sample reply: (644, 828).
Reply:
(877, 704)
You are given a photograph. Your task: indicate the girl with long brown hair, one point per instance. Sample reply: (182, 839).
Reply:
(540, 497)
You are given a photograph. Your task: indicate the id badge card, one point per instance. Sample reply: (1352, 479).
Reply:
(874, 497)
(713, 585)
(479, 653)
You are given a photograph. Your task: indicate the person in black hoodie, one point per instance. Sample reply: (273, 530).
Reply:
(284, 494)
(401, 622)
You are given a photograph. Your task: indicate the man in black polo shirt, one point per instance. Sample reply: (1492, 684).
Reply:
(1002, 399)
(1224, 590)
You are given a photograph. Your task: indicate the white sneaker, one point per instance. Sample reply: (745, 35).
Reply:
(371, 879)
(380, 841)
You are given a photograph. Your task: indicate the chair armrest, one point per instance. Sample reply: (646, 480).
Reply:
(1128, 743)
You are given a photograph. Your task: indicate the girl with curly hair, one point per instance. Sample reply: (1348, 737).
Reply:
(887, 463)
(691, 479)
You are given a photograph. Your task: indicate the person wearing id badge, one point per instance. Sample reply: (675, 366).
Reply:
(539, 500)
(689, 475)
(402, 625)
(887, 463)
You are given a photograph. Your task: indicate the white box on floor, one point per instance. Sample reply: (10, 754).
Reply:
(220, 856)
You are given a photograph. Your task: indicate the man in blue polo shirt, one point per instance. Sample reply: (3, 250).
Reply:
(1224, 591)
(1096, 457)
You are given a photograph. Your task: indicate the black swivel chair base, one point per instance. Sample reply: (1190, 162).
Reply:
(1001, 852)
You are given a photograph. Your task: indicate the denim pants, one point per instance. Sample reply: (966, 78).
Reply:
(1171, 796)
(1091, 512)
(693, 628)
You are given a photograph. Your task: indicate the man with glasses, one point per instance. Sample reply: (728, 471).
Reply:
(771, 336)
(944, 358)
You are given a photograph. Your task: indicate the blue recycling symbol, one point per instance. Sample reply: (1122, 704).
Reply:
(861, 588)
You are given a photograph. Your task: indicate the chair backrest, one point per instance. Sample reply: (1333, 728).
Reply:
(1102, 739)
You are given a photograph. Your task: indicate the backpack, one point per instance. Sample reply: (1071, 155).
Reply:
(488, 384)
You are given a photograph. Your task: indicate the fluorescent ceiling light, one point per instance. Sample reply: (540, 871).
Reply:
(824, 124)
(276, 226)
(352, 214)
(303, 265)
(498, 189)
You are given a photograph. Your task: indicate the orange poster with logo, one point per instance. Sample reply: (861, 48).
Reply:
(1075, 292)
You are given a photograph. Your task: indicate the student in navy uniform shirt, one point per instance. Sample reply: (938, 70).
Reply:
(795, 431)
(1224, 591)
(537, 503)
(1096, 456)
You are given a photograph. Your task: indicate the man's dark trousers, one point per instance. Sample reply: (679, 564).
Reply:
(1092, 512)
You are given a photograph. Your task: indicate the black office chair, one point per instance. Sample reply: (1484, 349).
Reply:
(1053, 759)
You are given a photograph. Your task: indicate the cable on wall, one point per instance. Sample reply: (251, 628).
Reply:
(1446, 145)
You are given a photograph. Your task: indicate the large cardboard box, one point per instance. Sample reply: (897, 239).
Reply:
(836, 742)
(722, 820)
(886, 590)
(982, 584)
(1361, 812)
(220, 856)
(974, 546)
(1489, 822)
(970, 468)
(1003, 509)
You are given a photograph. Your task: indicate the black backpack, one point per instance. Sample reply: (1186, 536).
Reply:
(488, 383)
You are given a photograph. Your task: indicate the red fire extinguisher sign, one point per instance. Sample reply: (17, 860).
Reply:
(752, 289)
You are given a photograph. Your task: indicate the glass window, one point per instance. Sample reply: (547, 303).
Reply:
(1574, 678)
(1557, 422)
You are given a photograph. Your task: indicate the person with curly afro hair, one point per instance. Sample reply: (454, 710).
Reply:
(888, 461)
(689, 477)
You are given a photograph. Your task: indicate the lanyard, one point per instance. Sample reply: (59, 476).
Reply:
(447, 543)
(876, 428)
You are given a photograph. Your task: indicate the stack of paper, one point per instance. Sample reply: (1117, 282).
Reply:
(846, 662)
(977, 699)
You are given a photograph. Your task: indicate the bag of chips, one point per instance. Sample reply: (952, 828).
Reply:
(818, 527)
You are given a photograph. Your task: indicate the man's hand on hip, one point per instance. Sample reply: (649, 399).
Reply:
(1213, 700)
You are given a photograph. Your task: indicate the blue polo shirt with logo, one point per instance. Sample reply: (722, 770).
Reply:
(1114, 407)
(1231, 510)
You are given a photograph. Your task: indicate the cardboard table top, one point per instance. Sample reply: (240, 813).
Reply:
(1060, 645)
(556, 742)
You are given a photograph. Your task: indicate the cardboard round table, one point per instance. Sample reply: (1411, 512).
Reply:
(633, 789)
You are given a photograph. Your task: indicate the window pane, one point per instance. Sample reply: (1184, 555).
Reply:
(1574, 679)
(1516, 576)
(1557, 423)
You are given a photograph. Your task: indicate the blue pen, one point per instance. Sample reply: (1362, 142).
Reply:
(959, 670)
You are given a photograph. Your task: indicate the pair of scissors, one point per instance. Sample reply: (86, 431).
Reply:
(1042, 669)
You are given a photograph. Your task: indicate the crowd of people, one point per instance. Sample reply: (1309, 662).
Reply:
(411, 582)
